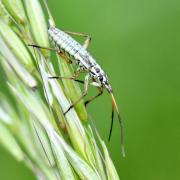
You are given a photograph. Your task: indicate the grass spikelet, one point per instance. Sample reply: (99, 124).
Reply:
(32, 125)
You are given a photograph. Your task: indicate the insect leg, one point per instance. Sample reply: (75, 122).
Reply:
(76, 74)
(86, 42)
(86, 84)
(63, 56)
(70, 78)
(94, 97)
(52, 49)
(43, 47)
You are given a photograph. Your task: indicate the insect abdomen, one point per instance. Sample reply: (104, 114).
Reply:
(71, 48)
(63, 41)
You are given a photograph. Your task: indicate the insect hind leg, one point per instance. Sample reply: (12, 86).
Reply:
(52, 49)
(43, 47)
(87, 40)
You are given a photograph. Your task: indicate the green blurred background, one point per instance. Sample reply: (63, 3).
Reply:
(138, 45)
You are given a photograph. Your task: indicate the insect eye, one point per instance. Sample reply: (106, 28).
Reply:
(100, 78)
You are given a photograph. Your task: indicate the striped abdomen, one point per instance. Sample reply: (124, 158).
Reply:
(71, 48)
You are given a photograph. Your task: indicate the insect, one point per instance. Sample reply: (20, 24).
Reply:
(76, 53)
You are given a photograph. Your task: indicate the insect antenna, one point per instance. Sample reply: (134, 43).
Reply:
(115, 107)
(112, 121)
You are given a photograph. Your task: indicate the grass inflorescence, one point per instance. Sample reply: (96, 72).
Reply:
(32, 125)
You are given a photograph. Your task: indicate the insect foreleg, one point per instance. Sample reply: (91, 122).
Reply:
(87, 40)
(94, 97)
(85, 91)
